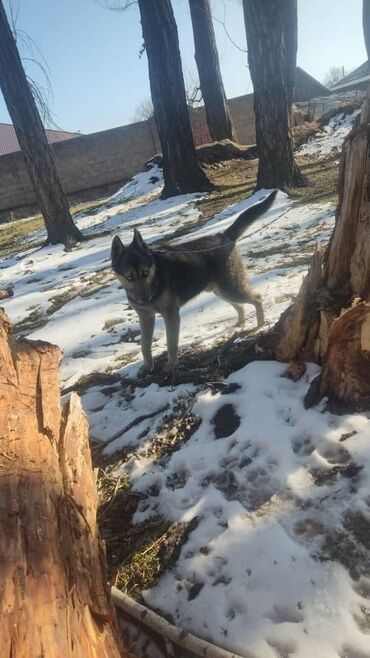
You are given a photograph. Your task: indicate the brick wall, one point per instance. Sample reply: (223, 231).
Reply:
(110, 156)
(83, 163)
(242, 114)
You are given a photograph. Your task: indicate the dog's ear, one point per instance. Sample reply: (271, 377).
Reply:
(138, 241)
(117, 250)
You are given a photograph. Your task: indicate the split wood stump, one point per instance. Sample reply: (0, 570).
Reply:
(54, 601)
(329, 322)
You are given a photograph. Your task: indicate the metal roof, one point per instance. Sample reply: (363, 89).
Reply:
(9, 142)
(357, 76)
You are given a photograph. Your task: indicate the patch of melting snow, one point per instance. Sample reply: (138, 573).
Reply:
(269, 529)
(144, 183)
(331, 137)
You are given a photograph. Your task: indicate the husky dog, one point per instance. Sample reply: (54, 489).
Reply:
(162, 280)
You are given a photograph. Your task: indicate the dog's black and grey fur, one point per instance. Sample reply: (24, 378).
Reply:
(161, 281)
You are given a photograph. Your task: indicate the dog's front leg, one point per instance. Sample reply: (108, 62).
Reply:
(146, 319)
(172, 322)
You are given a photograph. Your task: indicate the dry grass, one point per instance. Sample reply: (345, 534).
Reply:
(13, 233)
(132, 550)
(322, 176)
(236, 180)
(120, 362)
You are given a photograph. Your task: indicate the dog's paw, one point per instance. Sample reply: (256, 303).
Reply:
(170, 367)
(146, 369)
(171, 375)
(170, 370)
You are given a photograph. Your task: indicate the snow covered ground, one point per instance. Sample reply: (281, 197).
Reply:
(331, 137)
(280, 497)
(278, 564)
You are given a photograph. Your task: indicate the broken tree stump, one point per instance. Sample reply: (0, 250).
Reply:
(329, 321)
(54, 601)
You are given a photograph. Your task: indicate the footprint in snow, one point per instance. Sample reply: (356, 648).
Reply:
(349, 651)
(309, 527)
(302, 446)
(178, 479)
(281, 614)
(362, 619)
(283, 649)
(362, 587)
(336, 455)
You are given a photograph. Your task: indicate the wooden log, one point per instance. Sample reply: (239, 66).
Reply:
(225, 149)
(171, 634)
(214, 152)
(54, 600)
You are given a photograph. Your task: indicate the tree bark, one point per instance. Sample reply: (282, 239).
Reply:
(54, 600)
(181, 170)
(271, 28)
(330, 320)
(347, 263)
(345, 376)
(219, 121)
(32, 139)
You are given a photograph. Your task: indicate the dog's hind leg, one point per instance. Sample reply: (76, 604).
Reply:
(240, 311)
(237, 295)
(233, 286)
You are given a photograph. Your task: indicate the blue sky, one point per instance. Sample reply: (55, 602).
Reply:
(98, 78)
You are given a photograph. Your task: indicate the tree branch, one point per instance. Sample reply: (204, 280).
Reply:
(170, 633)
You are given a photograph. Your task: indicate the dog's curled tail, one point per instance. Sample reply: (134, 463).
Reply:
(248, 216)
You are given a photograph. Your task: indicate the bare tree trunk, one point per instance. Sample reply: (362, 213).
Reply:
(54, 600)
(271, 28)
(206, 56)
(181, 169)
(330, 320)
(33, 142)
(347, 262)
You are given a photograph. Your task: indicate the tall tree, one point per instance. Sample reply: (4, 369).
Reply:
(181, 170)
(271, 28)
(219, 121)
(32, 139)
(334, 75)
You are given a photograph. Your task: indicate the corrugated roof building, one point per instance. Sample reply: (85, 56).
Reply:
(357, 79)
(9, 142)
(307, 87)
